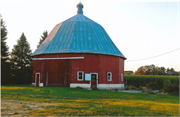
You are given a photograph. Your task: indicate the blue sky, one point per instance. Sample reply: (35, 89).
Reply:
(139, 29)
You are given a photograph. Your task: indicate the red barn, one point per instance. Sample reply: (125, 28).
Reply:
(78, 53)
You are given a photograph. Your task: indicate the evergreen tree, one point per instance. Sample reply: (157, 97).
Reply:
(22, 61)
(43, 37)
(5, 65)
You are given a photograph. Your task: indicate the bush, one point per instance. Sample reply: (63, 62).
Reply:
(143, 80)
(153, 86)
(161, 91)
(131, 87)
(138, 88)
(144, 89)
(171, 88)
(167, 86)
(175, 87)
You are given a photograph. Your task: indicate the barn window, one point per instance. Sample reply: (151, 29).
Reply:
(121, 77)
(80, 75)
(109, 76)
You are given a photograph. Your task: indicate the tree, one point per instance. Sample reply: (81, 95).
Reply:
(159, 71)
(176, 73)
(43, 37)
(150, 69)
(172, 71)
(127, 73)
(5, 65)
(21, 61)
(147, 70)
(168, 71)
(153, 70)
(140, 71)
(163, 70)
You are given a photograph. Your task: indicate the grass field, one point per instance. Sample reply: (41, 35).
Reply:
(62, 101)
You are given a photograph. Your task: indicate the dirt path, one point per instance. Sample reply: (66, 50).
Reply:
(20, 108)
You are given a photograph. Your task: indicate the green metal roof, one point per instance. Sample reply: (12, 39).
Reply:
(78, 34)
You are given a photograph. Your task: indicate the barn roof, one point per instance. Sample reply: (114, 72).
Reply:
(78, 34)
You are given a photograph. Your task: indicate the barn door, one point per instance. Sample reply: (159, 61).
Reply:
(37, 78)
(94, 78)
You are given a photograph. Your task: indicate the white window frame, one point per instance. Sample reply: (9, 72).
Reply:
(110, 76)
(121, 77)
(36, 78)
(78, 76)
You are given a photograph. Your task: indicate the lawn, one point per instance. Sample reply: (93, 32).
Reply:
(63, 101)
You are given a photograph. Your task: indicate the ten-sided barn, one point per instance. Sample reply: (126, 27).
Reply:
(78, 53)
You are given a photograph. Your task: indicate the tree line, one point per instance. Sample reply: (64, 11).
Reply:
(16, 66)
(155, 70)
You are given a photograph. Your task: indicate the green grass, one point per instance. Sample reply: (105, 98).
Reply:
(63, 101)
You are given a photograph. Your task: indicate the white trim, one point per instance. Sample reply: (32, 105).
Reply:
(110, 76)
(40, 84)
(74, 85)
(33, 84)
(36, 78)
(78, 76)
(106, 86)
(58, 58)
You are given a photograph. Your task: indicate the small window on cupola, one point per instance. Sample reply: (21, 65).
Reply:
(109, 76)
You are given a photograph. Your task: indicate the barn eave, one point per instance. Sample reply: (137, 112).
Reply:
(79, 53)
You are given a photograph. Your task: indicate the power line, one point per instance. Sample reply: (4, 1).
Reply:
(153, 56)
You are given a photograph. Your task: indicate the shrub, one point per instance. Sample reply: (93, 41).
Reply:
(167, 86)
(175, 87)
(161, 91)
(143, 80)
(138, 88)
(131, 87)
(171, 88)
(144, 89)
(153, 86)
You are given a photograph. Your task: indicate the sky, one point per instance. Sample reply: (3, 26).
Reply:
(139, 29)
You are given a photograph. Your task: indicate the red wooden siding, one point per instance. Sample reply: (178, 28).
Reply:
(62, 72)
